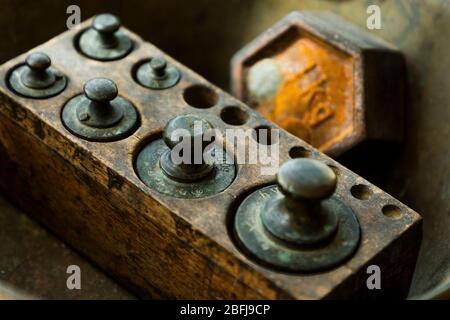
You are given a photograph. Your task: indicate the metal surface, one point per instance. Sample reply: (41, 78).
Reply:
(157, 74)
(104, 41)
(185, 135)
(298, 217)
(292, 226)
(36, 79)
(441, 292)
(99, 114)
(205, 173)
(323, 80)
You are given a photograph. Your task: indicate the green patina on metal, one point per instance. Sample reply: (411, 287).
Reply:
(36, 78)
(104, 41)
(296, 226)
(150, 172)
(157, 74)
(278, 254)
(99, 114)
(204, 170)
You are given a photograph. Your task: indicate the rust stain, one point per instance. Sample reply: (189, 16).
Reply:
(315, 99)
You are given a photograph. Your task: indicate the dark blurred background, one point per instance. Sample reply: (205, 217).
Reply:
(204, 34)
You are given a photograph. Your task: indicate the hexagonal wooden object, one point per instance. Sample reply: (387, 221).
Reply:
(324, 80)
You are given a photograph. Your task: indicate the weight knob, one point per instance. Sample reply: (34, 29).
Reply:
(36, 78)
(298, 225)
(157, 74)
(104, 40)
(99, 114)
(186, 163)
(186, 138)
(298, 216)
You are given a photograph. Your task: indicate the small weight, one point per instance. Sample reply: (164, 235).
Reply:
(195, 178)
(104, 40)
(99, 114)
(36, 78)
(297, 225)
(157, 74)
(195, 169)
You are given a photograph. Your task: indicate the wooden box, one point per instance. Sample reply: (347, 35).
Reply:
(164, 247)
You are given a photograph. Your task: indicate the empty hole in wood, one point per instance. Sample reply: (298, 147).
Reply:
(299, 152)
(199, 96)
(361, 192)
(264, 135)
(234, 116)
(392, 211)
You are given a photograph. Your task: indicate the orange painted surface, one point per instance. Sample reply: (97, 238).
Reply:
(316, 97)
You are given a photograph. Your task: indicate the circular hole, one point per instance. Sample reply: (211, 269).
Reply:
(234, 116)
(392, 211)
(264, 135)
(299, 152)
(199, 96)
(361, 192)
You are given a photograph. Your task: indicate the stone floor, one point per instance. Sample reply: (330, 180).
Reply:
(34, 261)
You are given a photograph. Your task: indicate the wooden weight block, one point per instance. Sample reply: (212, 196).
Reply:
(89, 194)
